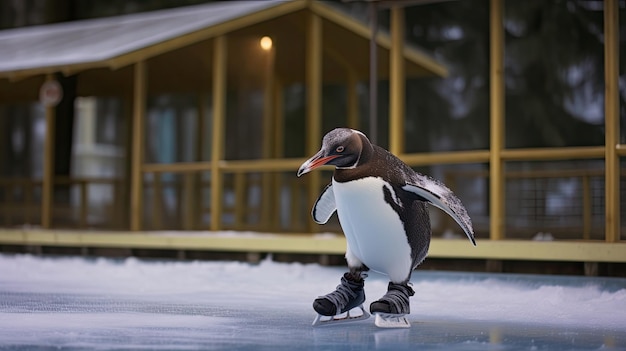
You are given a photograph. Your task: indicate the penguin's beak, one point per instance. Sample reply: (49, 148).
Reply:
(317, 160)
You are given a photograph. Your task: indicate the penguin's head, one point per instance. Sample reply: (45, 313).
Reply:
(341, 147)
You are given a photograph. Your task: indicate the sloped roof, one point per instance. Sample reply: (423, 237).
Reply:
(98, 40)
(119, 41)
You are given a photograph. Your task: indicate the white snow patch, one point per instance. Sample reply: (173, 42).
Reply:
(269, 285)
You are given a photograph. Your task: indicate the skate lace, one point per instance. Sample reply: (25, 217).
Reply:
(398, 298)
(341, 297)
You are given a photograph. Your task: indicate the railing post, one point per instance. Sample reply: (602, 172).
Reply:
(611, 120)
(352, 99)
(268, 207)
(139, 110)
(278, 141)
(8, 200)
(586, 207)
(241, 205)
(84, 201)
(48, 166)
(189, 196)
(28, 202)
(496, 117)
(313, 99)
(219, 115)
(396, 82)
(373, 79)
(157, 201)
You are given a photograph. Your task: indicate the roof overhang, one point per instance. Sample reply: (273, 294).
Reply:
(98, 48)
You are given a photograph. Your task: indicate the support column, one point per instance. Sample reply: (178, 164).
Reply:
(47, 191)
(219, 115)
(268, 104)
(278, 146)
(279, 118)
(123, 211)
(397, 90)
(201, 113)
(496, 117)
(269, 199)
(352, 99)
(313, 99)
(611, 121)
(139, 112)
(373, 83)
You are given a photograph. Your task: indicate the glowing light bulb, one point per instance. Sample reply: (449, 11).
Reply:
(266, 43)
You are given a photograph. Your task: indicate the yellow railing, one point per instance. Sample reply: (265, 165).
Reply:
(21, 202)
(254, 204)
(585, 202)
(250, 199)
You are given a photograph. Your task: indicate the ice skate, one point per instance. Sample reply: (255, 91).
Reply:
(391, 309)
(340, 305)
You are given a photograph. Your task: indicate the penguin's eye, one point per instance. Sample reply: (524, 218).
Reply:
(339, 148)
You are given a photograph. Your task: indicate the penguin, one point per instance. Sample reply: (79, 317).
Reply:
(381, 203)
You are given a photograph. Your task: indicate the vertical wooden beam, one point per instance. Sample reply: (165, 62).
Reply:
(84, 202)
(139, 111)
(123, 219)
(268, 198)
(587, 207)
(28, 204)
(157, 201)
(352, 97)
(241, 205)
(190, 200)
(611, 120)
(396, 82)
(4, 127)
(279, 119)
(279, 142)
(268, 104)
(313, 98)
(373, 83)
(201, 113)
(496, 117)
(219, 116)
(197, 184)
(47, 191)
(313, 83)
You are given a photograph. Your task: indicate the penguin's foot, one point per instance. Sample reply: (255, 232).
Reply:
(395, 301)
(348, 295)
(391, 308)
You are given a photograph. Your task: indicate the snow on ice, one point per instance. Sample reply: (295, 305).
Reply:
(64, 301)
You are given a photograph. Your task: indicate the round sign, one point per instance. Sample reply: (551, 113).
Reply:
(50, 93)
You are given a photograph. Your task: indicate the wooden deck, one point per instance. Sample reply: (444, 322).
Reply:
(572, 251)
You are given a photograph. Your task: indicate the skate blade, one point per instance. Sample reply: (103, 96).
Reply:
(347, 317)
(385, 320)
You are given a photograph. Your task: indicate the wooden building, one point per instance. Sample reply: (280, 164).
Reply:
(239, 65)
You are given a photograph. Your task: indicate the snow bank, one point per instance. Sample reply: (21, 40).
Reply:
(573, 301)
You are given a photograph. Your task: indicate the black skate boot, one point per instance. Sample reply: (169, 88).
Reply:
(391, 308)
(348, 295)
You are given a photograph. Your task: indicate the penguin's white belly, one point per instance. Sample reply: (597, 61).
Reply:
(373, 230)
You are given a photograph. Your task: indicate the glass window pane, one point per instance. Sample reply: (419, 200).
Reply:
(554, 73)
(451, 113)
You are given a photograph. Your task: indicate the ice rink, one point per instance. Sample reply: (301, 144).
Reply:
(105, 304)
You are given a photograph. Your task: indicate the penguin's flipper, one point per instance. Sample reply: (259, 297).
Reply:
(439, 195)
(324, 206)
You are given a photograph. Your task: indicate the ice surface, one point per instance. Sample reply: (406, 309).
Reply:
(76, 303)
